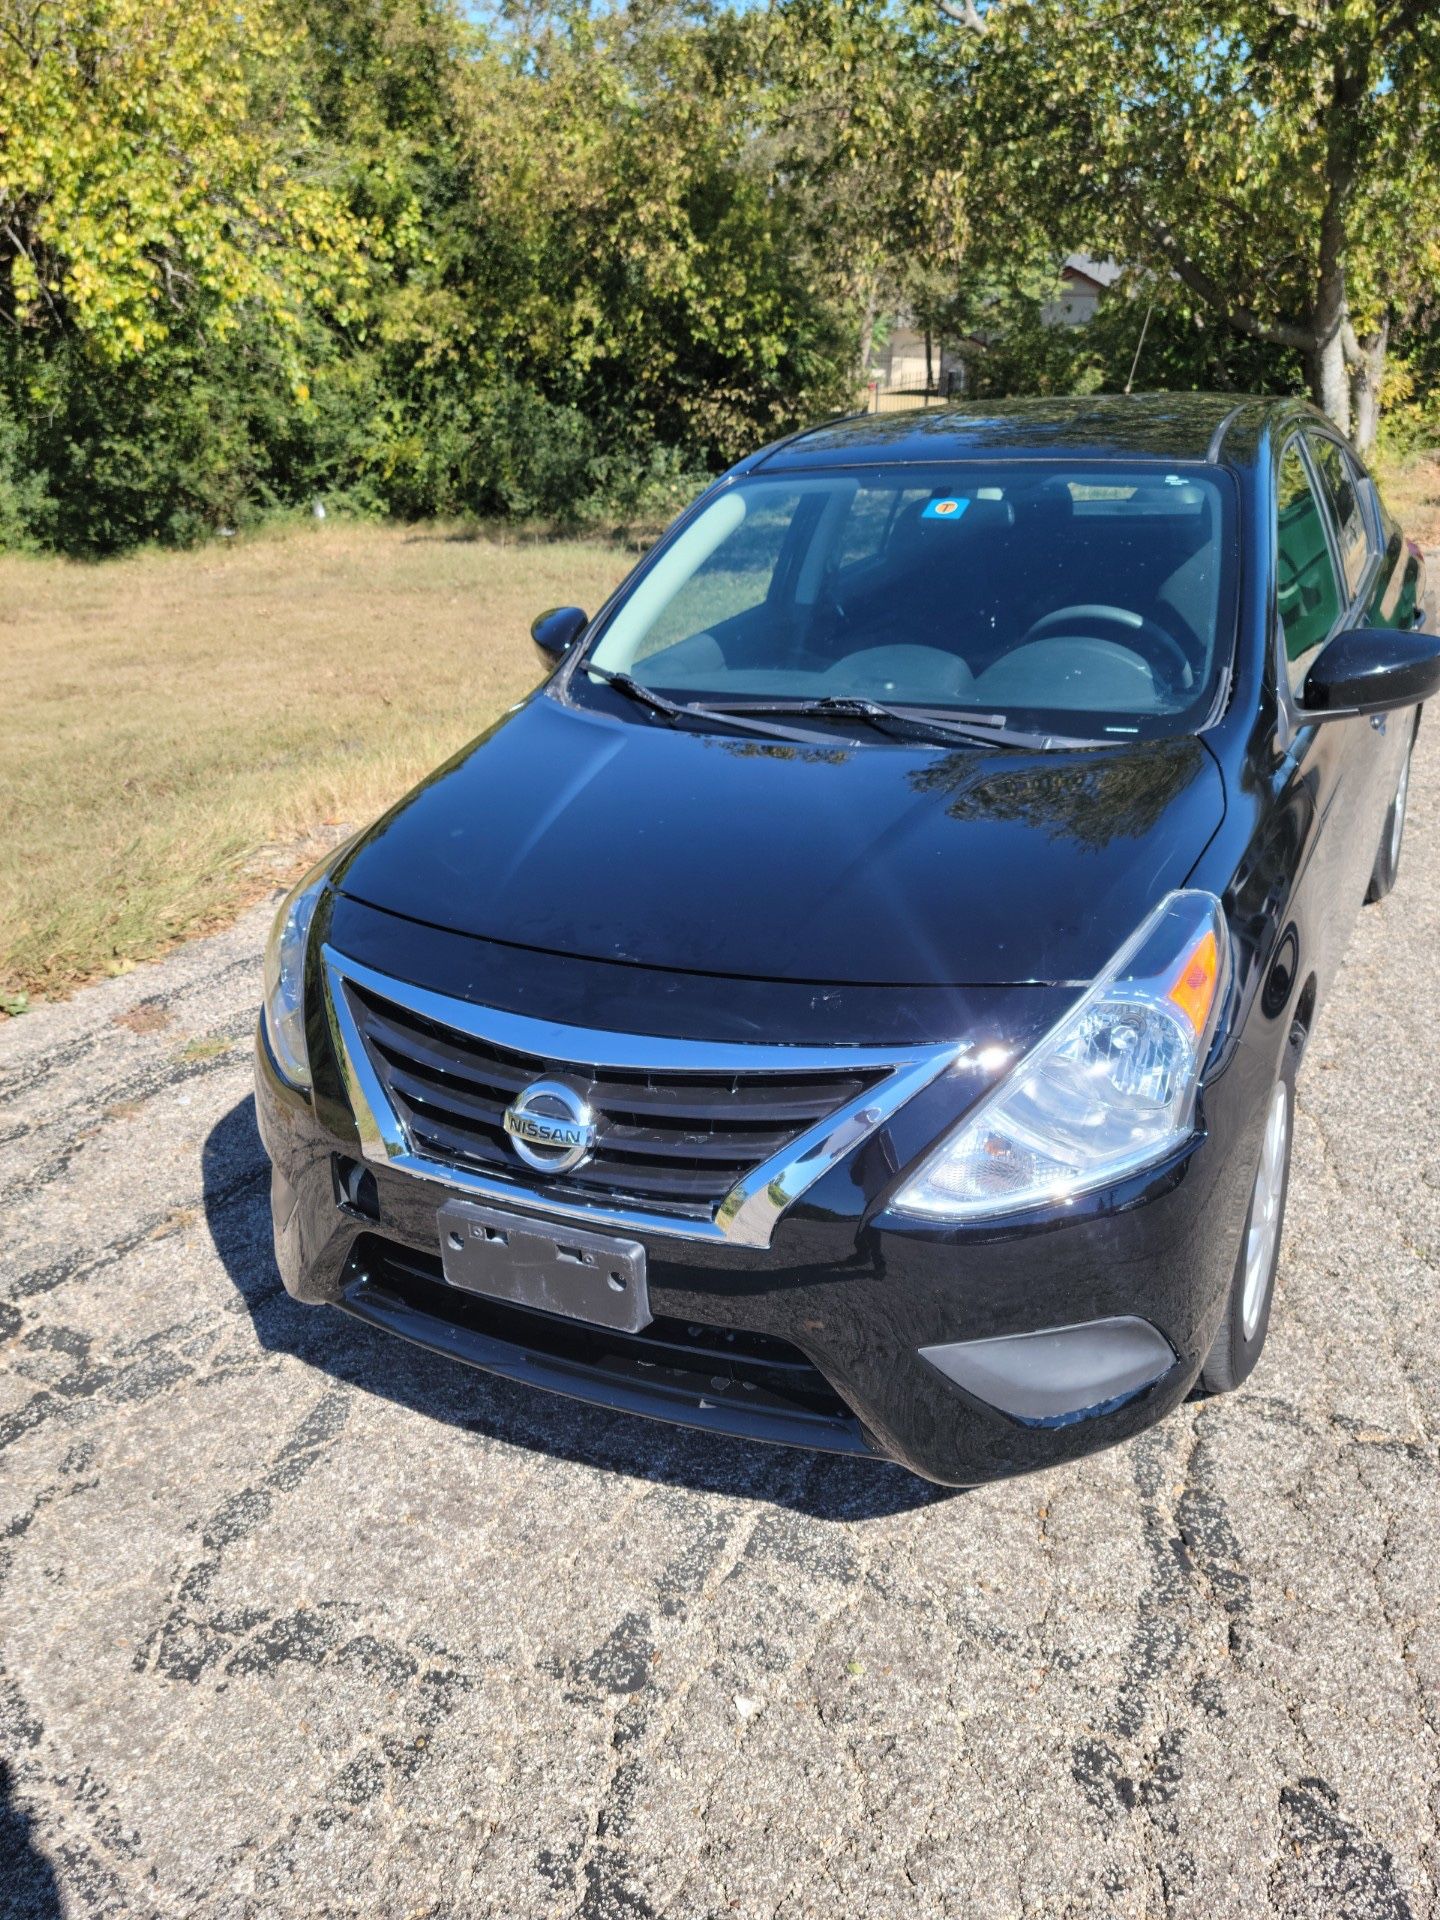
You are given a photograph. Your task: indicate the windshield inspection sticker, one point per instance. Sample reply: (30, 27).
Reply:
(944, 509)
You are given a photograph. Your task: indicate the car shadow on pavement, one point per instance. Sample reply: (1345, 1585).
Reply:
(31, 1891)
(237, 1212)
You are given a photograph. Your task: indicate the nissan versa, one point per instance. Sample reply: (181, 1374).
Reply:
(856, 1000)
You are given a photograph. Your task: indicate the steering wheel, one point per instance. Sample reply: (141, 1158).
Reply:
(1145, 637)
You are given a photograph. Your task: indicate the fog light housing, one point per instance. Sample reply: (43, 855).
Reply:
(355, 1189)
(1058, 1375)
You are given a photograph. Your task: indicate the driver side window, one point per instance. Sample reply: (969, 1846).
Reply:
(1309, 594)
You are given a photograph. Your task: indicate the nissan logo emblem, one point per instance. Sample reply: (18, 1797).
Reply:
(550, 1126)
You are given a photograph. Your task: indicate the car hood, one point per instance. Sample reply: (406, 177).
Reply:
(574, 832)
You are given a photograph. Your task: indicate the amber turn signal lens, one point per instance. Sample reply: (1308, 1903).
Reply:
(1194, 989)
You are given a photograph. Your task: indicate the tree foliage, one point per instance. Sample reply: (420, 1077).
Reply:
(170, 252)
(156, 171)
(384, 254)
(1276, 166)
(564, 258)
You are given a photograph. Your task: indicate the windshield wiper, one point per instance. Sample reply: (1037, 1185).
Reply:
(978, 729)
(672, 711)
(637, 691)
(995, 727)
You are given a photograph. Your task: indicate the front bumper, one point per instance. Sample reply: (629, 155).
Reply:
(821, 1338)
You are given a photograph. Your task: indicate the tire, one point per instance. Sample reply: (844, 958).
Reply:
(1241, 1335)
(1387, 860)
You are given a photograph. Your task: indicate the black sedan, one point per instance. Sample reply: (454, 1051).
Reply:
(856, 1000)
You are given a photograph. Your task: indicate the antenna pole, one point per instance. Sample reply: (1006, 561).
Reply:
(1138, 345)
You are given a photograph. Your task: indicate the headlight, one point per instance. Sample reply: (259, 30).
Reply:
(1109, 1090)
(285, 976)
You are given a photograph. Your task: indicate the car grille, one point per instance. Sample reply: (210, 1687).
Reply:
(678, 1139)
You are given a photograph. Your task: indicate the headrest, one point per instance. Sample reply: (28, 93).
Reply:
(914, 528)
(986, 515)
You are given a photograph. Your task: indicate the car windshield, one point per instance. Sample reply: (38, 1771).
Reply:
(1084, 599)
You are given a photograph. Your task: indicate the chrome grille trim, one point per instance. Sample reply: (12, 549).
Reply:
(748, 1214)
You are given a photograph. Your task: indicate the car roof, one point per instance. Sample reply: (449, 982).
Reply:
(1161, 426)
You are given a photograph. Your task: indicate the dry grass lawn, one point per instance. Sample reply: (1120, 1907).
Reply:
(180, 729)
(1411, 487)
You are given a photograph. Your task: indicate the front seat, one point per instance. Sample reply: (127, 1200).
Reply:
(1081, 673)
(903, 671)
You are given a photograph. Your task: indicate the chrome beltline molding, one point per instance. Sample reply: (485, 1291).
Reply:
(749, 1213)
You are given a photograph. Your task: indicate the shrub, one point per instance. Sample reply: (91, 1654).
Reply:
(26, 510)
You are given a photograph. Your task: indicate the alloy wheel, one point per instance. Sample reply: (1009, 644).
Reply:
(1265, 1209)
(1397, 823)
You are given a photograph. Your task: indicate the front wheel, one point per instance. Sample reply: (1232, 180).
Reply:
(1241, 1334)
(1387, 860)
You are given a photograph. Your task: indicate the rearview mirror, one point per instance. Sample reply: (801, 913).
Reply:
(1372, 670)
(555, 632)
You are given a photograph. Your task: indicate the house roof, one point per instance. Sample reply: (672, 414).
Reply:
(1101, 273)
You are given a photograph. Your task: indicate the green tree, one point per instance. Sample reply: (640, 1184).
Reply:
(598, 283)
(848, 116)
(1280, 166)
(168, 246)
(153, 167)
(644, 258)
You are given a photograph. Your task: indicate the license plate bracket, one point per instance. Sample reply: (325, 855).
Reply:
(556, 1269)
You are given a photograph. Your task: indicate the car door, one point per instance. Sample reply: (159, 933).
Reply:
(1334, 762)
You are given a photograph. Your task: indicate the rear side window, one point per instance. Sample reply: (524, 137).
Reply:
(1342, 488)
(1309, 592)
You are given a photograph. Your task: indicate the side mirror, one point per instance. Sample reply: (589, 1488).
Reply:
(1372, 670)
(555, 632)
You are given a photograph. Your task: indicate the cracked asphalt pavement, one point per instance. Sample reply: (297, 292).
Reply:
(295, 1619)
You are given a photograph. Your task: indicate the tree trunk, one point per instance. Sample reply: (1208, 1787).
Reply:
(1329, 374)
(1367, 376)
(929, 361)
(869, 315)
(1330, 380)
